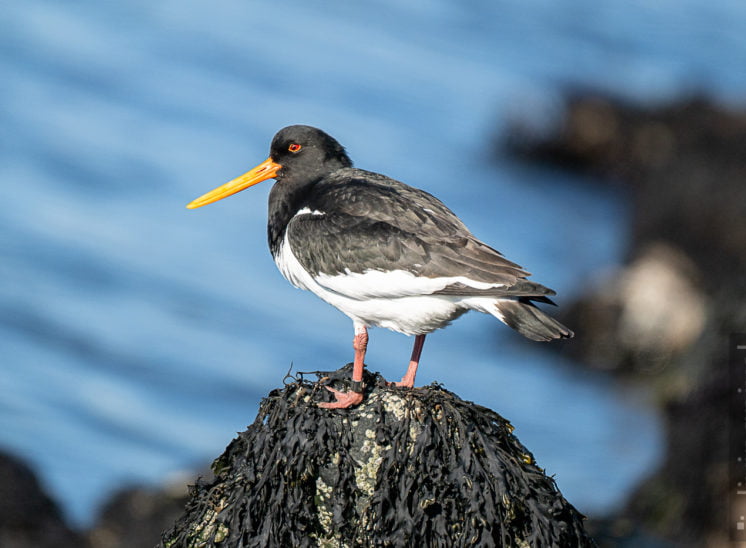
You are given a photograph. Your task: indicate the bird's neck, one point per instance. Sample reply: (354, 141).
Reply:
(285, 199)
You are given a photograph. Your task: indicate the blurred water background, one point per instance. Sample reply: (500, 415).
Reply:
(136, 337)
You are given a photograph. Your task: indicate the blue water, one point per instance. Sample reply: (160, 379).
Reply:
(136, 337)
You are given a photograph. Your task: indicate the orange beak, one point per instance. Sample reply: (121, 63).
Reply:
(266, 170)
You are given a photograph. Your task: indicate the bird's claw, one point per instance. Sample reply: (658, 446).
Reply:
(404, 383)
(344, 399)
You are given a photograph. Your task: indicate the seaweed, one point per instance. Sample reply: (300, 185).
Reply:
(407, 467)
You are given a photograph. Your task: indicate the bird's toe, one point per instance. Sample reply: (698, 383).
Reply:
(344, 400)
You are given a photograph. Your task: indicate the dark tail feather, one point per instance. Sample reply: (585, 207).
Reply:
(523, 316)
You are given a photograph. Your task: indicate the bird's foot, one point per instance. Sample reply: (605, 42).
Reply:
(404, 383)
(344, 399)
(407, 381)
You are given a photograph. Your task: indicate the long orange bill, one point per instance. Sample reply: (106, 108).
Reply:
(266, 170)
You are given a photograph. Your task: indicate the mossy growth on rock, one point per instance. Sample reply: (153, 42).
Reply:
(407, 467)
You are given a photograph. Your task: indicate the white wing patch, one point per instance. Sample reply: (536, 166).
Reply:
(307, 211)
(391, 284)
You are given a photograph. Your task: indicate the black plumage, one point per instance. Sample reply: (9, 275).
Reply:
(373, 222)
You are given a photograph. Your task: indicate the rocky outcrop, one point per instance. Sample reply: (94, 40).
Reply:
(404, 468)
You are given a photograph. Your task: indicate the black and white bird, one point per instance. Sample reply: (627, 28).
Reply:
(384, 253)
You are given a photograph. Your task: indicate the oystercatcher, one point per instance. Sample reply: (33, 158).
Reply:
(384, 253)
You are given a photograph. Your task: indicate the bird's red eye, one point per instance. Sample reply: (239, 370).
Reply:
(295, 147)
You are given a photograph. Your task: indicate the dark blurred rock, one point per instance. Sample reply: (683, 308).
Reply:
(642, 317)
(683, 163)
(668, 311)
(405, 468)
(136, 517)
(28, 517)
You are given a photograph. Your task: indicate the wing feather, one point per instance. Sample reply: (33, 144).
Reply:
(374, 224)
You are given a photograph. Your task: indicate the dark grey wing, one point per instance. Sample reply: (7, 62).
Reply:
(367, 222)
(374, 196)
(336, 243)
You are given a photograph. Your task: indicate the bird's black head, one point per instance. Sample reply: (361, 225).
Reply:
(306, 154)
(299, 155)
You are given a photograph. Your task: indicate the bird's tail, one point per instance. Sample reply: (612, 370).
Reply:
(526, 318)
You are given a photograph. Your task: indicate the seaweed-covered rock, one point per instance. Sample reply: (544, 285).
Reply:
(407, 467)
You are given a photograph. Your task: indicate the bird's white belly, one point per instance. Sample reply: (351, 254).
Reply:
(408, 315)
(391, 302)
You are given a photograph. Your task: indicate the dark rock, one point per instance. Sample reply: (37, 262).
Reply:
(668, 311)
(643, 317)
(136, 517)
(405, 468)
(684, 164)
(28, 516)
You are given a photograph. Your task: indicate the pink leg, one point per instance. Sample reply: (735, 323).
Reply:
(408, 378)
(354, 396)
